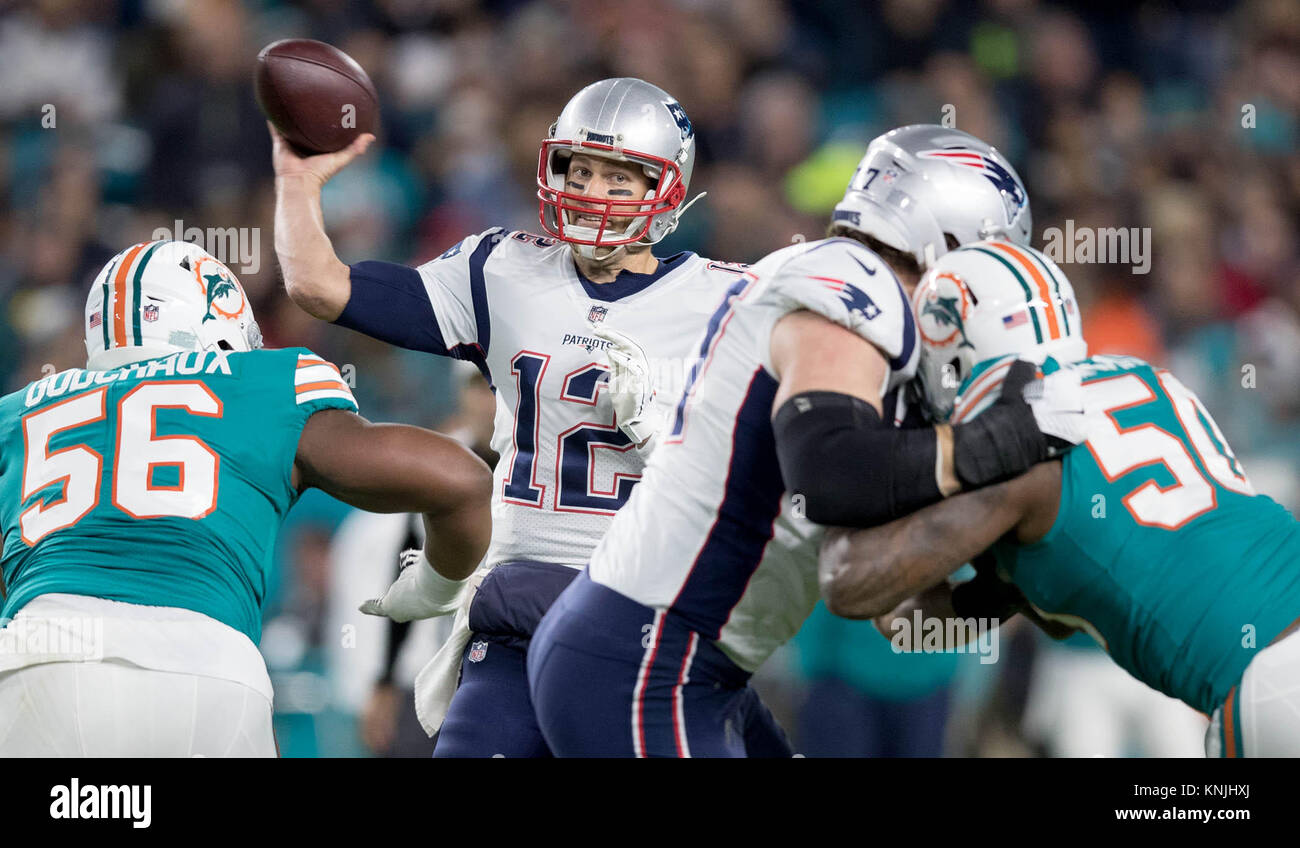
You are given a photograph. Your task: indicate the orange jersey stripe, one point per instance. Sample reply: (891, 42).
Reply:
(324, 384)
(1037, 276)
(318, 362)
(119, 294)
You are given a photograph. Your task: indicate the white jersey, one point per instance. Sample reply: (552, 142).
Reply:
(710, 535)
(515, 304)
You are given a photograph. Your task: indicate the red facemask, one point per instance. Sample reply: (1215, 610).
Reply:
(668, 195)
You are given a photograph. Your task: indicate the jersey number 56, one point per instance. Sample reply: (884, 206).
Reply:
(138, 452)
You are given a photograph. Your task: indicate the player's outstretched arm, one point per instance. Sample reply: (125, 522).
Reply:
(853, 468)
(315, 277)
(399, 468)
(868, 573)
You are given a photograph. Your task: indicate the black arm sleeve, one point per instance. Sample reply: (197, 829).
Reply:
(389, 303)
(1004, 441)
(851, 468)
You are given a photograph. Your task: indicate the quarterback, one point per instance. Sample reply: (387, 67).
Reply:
(788, 418)
(1149, 537)
(568, 327)
(141, 497)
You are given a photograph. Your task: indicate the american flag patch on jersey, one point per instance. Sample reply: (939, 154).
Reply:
(96, 318)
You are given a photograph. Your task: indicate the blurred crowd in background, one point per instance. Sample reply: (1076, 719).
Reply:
(120, 117)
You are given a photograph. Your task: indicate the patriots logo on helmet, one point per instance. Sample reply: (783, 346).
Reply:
(679, 115)
(1013, 196)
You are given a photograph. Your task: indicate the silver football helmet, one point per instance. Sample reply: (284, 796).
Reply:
(919, 183)
(627, 120)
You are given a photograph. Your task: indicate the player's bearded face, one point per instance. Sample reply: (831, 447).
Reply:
(601, 178)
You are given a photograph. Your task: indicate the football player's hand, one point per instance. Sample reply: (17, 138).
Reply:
(1004, 440)
(418, 592)
(1057, 402)
(321, 167)
(630, 387)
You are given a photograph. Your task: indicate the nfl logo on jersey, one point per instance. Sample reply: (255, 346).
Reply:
(478, 651)
(597, 314)
(150, 312)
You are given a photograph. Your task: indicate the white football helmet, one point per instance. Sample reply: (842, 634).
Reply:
(160, 297)
(627, 120)
(988, 300)
(918, 184)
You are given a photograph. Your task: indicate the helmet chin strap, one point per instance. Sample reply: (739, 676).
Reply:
(588, 252)
(687, 205)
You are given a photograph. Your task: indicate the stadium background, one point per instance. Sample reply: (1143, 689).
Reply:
(1177, 117)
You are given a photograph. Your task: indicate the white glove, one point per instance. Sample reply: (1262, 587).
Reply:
(1057, 402)
(630, 387)
(418, 592)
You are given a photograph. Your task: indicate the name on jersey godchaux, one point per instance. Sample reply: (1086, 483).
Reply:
(76, 379)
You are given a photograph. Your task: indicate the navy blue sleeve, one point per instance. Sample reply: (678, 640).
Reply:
(389, 303)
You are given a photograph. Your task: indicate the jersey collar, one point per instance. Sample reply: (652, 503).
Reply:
(628, 283)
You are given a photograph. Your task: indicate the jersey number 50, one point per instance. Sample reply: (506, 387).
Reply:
(138, 452)
(1122, 450)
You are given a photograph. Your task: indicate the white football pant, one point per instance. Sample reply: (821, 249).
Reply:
(109, 708)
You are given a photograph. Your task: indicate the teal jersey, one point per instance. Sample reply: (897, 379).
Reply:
(1161, 549)
(162, 483)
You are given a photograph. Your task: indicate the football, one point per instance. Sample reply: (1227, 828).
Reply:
(316, 95)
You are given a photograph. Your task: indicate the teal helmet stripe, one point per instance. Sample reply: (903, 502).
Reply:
(106, 309)
(1056, 281)
(1029, 295)
(135, 290)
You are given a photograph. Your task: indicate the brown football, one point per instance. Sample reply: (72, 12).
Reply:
(316, 95)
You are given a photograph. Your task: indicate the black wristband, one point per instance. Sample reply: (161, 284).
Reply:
(1004, 441)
